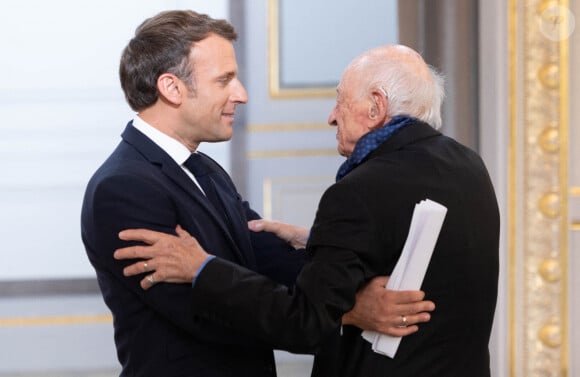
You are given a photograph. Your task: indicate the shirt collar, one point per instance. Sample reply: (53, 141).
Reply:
(172, 147)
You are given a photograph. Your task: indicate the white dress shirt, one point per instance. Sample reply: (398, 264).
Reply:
(177, 151)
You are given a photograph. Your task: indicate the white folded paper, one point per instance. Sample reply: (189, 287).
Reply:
(412, 265)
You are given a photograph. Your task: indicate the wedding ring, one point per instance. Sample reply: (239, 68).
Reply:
(145, 267)
(151, 280)
(403, 321)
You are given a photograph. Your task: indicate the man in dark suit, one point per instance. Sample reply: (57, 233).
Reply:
(387, 112)
(179, 73)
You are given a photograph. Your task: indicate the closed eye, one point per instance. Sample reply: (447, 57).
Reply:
(226, 78)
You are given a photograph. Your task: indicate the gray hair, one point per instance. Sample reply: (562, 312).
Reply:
(411, 86)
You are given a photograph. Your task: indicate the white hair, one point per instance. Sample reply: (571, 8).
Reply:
(412, 87)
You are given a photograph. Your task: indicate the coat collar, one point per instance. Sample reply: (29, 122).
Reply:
(407, 135)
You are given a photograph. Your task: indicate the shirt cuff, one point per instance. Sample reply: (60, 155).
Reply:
(201, 268)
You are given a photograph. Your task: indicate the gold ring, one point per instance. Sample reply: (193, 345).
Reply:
(403, 321)
(145, 267)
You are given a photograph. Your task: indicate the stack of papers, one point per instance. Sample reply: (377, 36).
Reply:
(412, 265)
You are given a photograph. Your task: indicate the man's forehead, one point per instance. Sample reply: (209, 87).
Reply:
(345, 83)
(212, 46)
(214, 52)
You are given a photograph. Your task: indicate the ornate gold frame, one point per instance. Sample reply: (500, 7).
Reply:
(274, 63)
(269, 183)
(538, 191)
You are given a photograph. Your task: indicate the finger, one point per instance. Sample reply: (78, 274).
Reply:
(256, 225)
(412, 319)
(262, 225)
(137, 269)
(406, 297)
(149, 281)
(402, 331)
(269, 226)
(133, 252)
(397, 330)
(416, 307)
(143, 235)
(419, 318)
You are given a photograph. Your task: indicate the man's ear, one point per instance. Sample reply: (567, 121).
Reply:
(378, 108)
(170, 88)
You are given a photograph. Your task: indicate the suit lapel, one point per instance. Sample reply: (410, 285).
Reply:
(234, 211)
(175, 173)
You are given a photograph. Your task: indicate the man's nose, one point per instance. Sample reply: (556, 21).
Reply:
(332, 117)
(239, 94)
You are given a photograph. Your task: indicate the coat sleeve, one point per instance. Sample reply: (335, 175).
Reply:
(297, 319)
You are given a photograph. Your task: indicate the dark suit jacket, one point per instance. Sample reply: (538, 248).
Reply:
(156, 332)
(360, 228)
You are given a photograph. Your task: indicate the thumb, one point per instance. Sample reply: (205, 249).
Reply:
(180, 231)
(381, 281)
(256, 225)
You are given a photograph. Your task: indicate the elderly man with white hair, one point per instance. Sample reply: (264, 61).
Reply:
(387, 114)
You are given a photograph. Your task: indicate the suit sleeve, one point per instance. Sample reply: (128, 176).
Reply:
(132, 201)
(297, 319)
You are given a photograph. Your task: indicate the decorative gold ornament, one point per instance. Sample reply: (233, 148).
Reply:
(549, 140)
(551, 335)
(550, 270)
(549, 75)
(549, 205)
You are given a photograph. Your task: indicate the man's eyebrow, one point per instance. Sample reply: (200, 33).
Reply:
(227, 76)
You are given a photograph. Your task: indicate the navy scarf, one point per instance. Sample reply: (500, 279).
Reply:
(371, 141)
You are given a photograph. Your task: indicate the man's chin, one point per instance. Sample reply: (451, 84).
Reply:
(225, 136)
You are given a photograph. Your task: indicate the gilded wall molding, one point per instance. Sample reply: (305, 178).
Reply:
(56, 320)
(275, 188)
(538, 193)
(290, 127)
(575, 224)
(283, 153)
